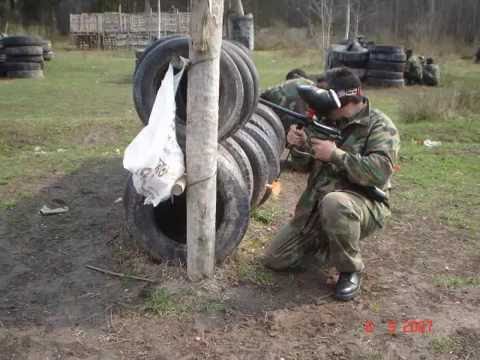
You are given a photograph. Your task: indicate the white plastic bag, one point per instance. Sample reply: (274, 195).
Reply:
(154, 157)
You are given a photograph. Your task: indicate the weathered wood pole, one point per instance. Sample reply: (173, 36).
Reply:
(202, 132)
(236, 7)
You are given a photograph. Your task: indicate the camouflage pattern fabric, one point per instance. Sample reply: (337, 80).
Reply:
(414, 71)
(331, 217)
(286, 95)
(431, 75)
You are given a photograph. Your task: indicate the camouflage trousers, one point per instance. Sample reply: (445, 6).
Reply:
(333, 231)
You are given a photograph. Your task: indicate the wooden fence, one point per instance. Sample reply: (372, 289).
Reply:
(112, 30)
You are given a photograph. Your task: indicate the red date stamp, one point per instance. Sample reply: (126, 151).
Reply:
(406, 327)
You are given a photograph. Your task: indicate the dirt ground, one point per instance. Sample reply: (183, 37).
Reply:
(53, 307)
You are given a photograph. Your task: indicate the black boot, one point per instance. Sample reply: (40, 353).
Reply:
(348, 286)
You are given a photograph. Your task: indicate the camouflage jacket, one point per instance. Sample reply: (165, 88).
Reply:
(285, 94)
(366, 157)
(414, 69)
(431, 74)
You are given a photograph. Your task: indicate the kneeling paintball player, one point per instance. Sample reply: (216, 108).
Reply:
(346, 198)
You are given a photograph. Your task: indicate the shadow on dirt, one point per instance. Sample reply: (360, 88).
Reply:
(42, 258)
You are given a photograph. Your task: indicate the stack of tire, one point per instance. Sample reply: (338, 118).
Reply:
(351, 55)
(251, 140)
(386, 66)
(22, 56)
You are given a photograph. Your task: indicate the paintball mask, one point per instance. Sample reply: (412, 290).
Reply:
(321, 101)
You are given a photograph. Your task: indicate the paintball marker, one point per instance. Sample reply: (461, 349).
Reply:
(321, 102)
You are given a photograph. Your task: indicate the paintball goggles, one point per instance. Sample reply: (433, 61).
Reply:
(321, 101)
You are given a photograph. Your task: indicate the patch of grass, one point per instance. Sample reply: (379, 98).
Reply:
(265, 216)
(441, 181)
(212, 306)
(162, 302)
(274, 65)
(375, 307)
(255, 273)
(181, 303)
(444, 345)
(84, 106)
(8, 204)
(456, 282)
(443, 104)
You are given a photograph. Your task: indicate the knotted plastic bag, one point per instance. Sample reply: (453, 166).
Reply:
(154, 157)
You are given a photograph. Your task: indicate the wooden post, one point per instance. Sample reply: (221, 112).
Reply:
(202, 133)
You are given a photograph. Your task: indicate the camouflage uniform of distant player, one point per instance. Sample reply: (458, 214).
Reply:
(414, 69)
(334, 213)
(286, 95)
(431, 73)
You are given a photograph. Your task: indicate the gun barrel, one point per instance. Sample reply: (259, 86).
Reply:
(294, 114)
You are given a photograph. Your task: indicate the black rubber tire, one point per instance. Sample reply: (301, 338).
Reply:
(25, 74)
(269, 147)
(250, 87)
(269, 115)
(354, 64)
(242, 161)
(152, 46)
(387, 49)
(386, 66)
(350, 56)
(268, 130)
(22, 41)
(25, 59)
(394, 57)
(24, 51)
(242, 52)
(242, 47)
(385, 82)
(151, 69)
(20, 66)
(258, 161)
(161, 231)
(381, 74)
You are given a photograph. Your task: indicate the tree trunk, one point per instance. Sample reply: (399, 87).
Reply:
(147, 7)
(202, 133)
(236, 7)
(396, 18)
(357, 20)
(347, 20)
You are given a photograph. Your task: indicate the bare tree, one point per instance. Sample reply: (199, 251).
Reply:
(347, 19)
(236, 7)
(323, 10)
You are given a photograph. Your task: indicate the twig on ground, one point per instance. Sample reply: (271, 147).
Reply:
(121, 275)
